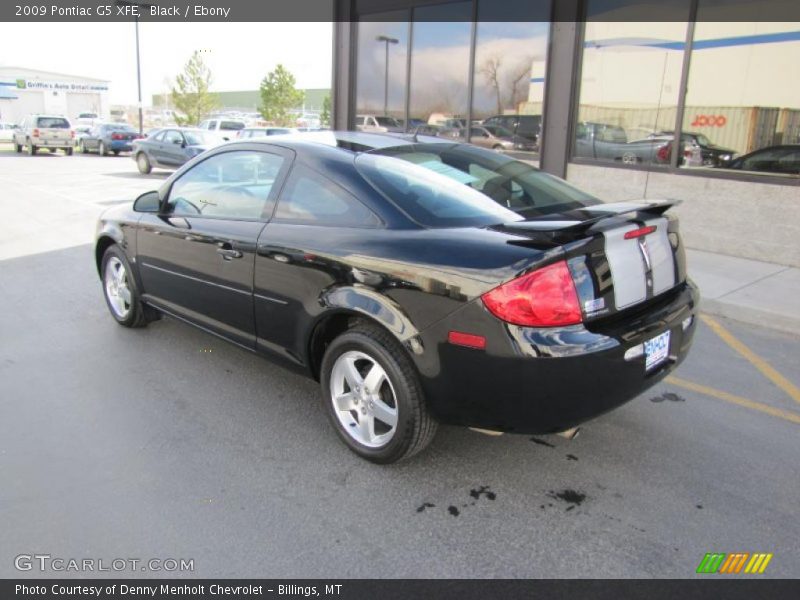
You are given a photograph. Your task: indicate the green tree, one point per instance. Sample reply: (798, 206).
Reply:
(325, 116)
(279, 96)
(190, 94)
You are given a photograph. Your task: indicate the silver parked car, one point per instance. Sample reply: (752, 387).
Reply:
(45, 131)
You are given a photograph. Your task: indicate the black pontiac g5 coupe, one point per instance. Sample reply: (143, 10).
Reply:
(419, 281)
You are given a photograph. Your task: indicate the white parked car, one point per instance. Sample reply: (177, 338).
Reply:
(223, 129)
(376, 124)
(45, 131)
(7, 131)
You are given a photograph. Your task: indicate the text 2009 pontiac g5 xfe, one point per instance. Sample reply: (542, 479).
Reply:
(420, 282)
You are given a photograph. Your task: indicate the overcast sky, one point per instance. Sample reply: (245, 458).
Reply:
(239, 54)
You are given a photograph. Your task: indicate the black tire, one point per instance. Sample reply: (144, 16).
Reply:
(137, 315)
(115, 152)
(18, 148)
(69, 151)
(82, 147)
(415, 426)
(31, 148)
(143, 163)
(101, 149)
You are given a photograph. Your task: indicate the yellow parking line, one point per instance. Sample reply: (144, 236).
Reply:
(733, 399)
(758, 362)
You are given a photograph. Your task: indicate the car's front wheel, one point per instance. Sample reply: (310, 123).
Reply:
(18, 148)
(101, 149)
(69, 151)
(82, 147)
(119, 288)
(143, 163)
(373, 397)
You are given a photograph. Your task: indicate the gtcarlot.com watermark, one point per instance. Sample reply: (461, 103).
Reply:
(48, 563)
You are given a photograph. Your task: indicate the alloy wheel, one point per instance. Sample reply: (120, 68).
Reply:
(117, 288)
(364, 399)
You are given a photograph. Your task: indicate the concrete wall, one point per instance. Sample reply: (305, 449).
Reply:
(752, 220)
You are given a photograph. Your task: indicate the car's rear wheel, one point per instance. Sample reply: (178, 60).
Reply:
(69, 151)
(116, 152)
(119, 289)
(101, 149)
(18, 148)
(82, 147)
(373, 397)
(143, 163)
(31, 149)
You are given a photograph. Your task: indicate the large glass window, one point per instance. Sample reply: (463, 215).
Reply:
(510, 61)
(381, 68)
(743, 97)
(440, 65)
(629, 91)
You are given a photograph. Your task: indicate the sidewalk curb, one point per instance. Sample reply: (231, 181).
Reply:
(752, 316)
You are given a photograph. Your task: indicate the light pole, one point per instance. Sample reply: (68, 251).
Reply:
(145, 5)
(386, 40)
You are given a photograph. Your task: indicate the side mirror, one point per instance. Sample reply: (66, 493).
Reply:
(178, 142)
(149, 202)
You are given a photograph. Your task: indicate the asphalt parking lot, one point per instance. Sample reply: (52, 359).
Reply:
(168, 443)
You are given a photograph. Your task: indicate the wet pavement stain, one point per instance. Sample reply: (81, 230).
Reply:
(571, 457)
(571, 497)
(699, 505)
(425, 505)
(542, 442)
(453, 511)
(483, 490)
(669, 397)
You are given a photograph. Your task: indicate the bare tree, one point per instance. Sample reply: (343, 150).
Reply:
(491, 71)
(518, 78)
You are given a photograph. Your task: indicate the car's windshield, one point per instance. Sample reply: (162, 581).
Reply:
(387, 122)
(455, 185)
(195, 138)
(52, 123)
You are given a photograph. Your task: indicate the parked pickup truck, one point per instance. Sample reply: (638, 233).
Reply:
(44, 131)
(610, 142)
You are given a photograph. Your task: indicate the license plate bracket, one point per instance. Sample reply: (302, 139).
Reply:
(656, 350)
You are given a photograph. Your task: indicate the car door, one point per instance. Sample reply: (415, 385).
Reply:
(196, 257)
(290, 272)
(173, 148)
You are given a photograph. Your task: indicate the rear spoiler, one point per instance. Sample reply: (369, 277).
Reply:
(552, 229)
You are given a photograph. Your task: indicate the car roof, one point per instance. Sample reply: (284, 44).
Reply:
(349, 141)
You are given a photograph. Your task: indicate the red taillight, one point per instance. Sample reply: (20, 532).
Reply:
(469, 340)
(542, 298)
(116, 136)
(629, 235)
(72, 133)
(35, 133)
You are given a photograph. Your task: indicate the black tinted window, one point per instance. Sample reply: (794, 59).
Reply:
(444, 185)
(312, 199)
(231, 125)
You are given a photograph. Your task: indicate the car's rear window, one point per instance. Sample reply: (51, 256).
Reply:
(231, 125)
(52, 123)
(458, 185)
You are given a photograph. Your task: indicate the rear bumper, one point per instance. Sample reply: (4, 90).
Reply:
(120, 145)
(548, 380)
(45, 143)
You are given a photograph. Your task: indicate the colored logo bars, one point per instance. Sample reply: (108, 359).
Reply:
(722, 563)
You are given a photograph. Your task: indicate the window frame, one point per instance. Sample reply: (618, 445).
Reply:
(287, 155)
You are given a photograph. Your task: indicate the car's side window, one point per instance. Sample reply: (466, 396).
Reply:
(232, 185)
(159, 137)
(173, 137)
(312, 199)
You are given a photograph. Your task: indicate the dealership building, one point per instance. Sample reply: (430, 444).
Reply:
(30, 91)
(611, 93)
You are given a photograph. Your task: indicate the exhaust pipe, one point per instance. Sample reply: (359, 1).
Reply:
(570, 434)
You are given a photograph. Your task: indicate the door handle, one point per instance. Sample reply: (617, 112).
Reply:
(226, 250)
